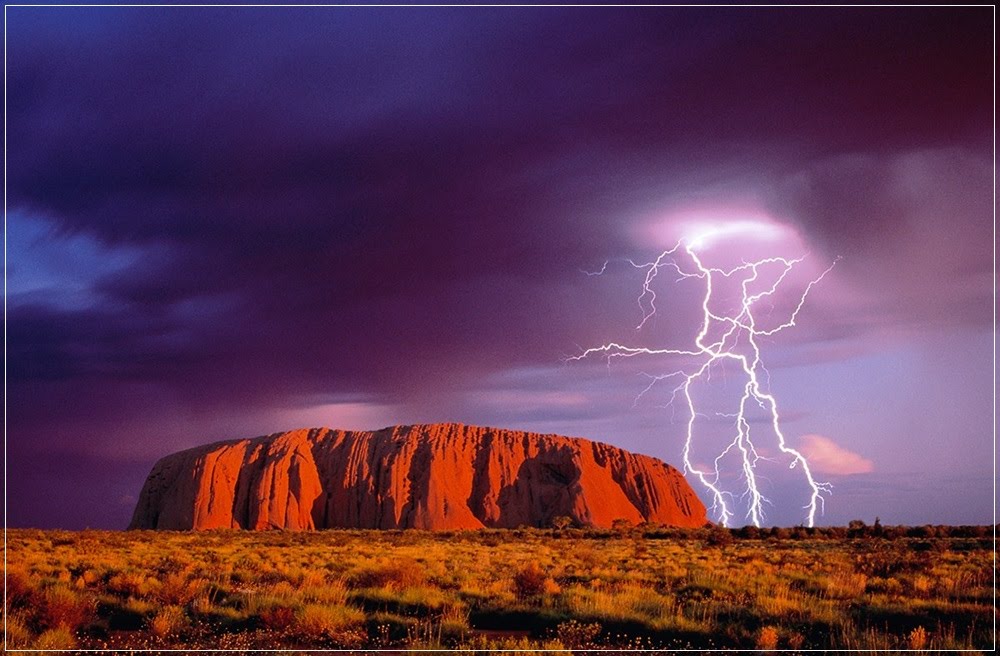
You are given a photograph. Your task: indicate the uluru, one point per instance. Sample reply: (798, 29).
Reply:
(434, 476)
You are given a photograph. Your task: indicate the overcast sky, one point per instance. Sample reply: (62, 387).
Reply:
(224, 222)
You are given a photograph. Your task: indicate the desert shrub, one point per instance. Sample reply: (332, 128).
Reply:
(325, 592)
(621, 525)
(61, 607)
(921, 585)
(529, 581)
(587, 556)
(283, 589)
(277, 618)
(404, 572)
(139, 606)
(718, 536)
(888, 586)
(63, 539)
(491, 540)
(801, 533)
(150, 587)
(418, 599)
(524, 646)
(976, 531)
(561, 522)
(856, 528)
(893, 532)
(89, 576)
(917, 639)
(845, 585)
(578, 635)
(767, 638)
(882, 560)
(454, 618)
(270, 577)
(310, 577)
(318, 622)
(18, 634)
(57, 638)
(168, 621)
(257, 602)
(422, 596)
(176, 590)
(19, 591)
(201, 605)
(126, 584)
(170, 564)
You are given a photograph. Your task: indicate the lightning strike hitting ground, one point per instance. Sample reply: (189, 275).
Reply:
(740, 324)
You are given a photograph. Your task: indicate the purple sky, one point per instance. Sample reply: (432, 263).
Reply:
(227, 222)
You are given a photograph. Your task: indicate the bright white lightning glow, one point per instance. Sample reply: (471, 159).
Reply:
(703, 236)
(739, 324)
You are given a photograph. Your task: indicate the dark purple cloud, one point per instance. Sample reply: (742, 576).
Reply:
(218, 209)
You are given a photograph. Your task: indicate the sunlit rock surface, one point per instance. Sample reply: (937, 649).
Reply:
(437, 476)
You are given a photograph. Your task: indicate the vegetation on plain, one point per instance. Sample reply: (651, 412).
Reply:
(857, 587)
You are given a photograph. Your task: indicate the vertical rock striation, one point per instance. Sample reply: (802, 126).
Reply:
(436, 476)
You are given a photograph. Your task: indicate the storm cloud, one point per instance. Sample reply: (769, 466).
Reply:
(224, 219)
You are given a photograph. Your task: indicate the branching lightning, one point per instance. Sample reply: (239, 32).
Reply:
(739, 344)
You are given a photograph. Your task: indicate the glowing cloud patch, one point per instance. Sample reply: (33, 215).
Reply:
(706, 227)
(702, 236)
(828, 457)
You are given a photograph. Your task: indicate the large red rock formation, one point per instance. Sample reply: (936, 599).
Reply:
(438, 476)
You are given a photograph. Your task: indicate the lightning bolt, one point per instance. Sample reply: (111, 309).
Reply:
(738, 326)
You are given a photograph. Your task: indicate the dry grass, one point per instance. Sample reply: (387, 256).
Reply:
(522, 589)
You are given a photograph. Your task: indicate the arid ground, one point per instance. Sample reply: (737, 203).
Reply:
(893, 588)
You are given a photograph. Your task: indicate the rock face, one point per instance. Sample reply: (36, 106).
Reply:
(438, 476)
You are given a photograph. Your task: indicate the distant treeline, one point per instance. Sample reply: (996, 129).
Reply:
(858, 529)
(717, 534)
